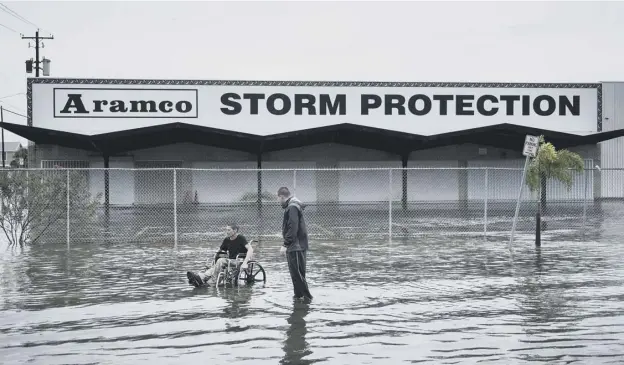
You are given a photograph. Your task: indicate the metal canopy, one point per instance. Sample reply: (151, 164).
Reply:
(49, 136)
(505, 136)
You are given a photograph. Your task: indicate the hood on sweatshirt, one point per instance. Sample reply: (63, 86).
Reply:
(293, 201)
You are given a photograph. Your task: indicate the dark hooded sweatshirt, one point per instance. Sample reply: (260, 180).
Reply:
(294, 229)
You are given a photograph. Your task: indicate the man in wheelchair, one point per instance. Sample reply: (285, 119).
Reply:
(233, 245)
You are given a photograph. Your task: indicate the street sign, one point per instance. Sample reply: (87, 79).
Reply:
(531, 143)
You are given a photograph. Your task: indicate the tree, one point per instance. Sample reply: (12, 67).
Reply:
(33, 201)
(550, 163)
(21, 153)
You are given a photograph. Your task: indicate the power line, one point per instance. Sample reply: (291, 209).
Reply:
(21, 110)
(8, 96)
(12, 112)
(14, 14)
(4, 26)
(37, 38)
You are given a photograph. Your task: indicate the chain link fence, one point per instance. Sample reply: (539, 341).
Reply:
(173, 205)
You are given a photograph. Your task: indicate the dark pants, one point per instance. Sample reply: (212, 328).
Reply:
(297, 267)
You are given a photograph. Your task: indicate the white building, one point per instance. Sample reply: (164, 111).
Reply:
(285, 124)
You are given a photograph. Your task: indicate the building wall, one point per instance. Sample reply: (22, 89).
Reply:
(329, 186)
(195, 180)
(8, 157)
(51, 152)
(122, 184)
(612, 156)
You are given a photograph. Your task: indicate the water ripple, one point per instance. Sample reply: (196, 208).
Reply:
(417, 301)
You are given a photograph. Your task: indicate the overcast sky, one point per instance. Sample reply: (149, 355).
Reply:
(343, 41)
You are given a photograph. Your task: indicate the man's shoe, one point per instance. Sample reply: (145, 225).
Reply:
(194, 279)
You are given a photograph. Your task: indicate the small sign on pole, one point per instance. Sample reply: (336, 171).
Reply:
(531, 144)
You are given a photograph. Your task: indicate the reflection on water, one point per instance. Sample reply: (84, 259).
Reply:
(296, 346)
(413, 301)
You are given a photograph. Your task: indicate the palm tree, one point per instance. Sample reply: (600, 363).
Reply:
(550, 163)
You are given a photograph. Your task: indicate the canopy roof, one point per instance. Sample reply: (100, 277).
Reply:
(507, 136)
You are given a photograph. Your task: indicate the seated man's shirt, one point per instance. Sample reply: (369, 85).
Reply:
(235, 246)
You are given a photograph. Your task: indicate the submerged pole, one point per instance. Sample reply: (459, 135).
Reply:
(513, 227)
(68, 208)
(106, 191)
(175, 209)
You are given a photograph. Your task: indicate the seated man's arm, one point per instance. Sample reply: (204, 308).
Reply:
(223, 248)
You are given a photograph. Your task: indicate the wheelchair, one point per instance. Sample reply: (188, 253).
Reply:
(231, 273)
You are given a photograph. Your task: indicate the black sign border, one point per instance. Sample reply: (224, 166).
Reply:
(123, 116)
(81, 81)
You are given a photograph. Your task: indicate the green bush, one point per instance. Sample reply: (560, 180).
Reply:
(32, 201)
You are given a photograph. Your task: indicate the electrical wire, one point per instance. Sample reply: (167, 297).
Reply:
(12, 112)
(8, 96)
(14, 14)
(21, 110)
(11, 29)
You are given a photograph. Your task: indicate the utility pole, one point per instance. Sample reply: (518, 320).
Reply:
(45, 61)
(2, 121)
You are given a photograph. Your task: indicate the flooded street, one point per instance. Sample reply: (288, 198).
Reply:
(413, 301)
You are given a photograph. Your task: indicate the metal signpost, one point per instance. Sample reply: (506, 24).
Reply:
(531, 143)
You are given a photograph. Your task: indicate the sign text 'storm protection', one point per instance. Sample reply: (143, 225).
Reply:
(398, 104)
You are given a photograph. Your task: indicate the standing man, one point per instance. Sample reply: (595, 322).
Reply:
(295, 246)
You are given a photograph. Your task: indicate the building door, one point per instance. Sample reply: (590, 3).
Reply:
(153, 181)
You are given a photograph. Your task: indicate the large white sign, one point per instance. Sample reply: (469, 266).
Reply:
(93, 108)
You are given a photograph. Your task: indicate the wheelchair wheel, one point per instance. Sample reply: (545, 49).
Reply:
(253, 274)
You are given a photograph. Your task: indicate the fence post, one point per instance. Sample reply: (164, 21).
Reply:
(485, 208)
(585, 201)
(68, 209)
(175, 208)
(294, 181)
(390, 204)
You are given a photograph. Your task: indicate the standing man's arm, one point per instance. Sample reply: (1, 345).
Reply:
(292, 227)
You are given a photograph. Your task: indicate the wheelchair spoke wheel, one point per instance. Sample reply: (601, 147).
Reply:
(254, 273)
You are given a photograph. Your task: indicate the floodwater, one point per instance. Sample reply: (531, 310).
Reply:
(426, 302)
